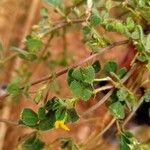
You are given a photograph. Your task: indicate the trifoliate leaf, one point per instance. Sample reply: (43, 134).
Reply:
(111, 66)
(29, 117)
(117, 109)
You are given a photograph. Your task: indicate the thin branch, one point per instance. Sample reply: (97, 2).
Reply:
(8, 122)
(102, 101)
(133, 112)
(106, 128)
(61, 72)
(103, 88)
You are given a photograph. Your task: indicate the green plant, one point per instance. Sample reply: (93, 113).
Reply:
(94, 19)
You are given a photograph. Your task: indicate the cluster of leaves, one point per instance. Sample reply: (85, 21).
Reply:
(80, 81)
(33, 45)
(32, 142)
(130, 29)
(129, 142)
(121, 96)
(119, 100)
(54, 110)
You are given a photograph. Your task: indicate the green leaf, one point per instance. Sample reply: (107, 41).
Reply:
(54, 3)
(109, 4)
(122, 94)
(142, 58)
(111, 66)
(70, 77)
(119, 27)
(147, 96)
(53, 104)
(61, 113)
(38, 96)
(88, 74)
(41, 113)
(72, 115)
(77, 74)
(137, 33)
(24, 54)
(130, 24)
(84, 74)
(80, 90)
(68, 144)
(86, 30)
(29, 117)
(46, 124)
(13, 89)
(33, 143)
(55, 86)
(123, 144)
(122, 72)
(44, 12)
(147, 43)
(33, 44)
(95, 20)
(96, 65)
(117, 109)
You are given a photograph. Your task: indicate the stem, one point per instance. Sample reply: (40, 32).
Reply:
(103, 79)
(61, 72)
(103, 88)
(98, 104)
(133, 112)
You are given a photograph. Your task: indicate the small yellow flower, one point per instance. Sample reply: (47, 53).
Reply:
(60, 124)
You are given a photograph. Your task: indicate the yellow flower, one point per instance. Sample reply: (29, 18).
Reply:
(60, 124)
